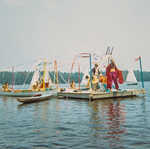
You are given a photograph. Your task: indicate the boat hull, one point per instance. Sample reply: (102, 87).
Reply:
(35, 98)
(22, 93)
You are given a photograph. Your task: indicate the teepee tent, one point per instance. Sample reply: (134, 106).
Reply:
(131, 79)
(35, 78)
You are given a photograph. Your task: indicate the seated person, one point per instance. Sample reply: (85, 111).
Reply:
(35, 86)
(95, 83)
(46, 84)
(88, 81)
(103, 80)
(5, 87)
(72, 85)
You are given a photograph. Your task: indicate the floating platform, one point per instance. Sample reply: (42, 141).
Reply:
(22, 93)
(92, 95)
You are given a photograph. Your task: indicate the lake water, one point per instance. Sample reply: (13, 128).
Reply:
(76, 124)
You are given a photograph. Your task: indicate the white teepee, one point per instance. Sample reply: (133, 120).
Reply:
(131, 79)
(35, 78)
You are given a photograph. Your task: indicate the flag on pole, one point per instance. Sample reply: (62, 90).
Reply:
(84, 55)
(137, 59)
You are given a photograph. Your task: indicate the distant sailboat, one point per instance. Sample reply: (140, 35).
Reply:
(131, 79)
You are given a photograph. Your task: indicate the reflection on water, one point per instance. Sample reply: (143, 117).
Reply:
(75, 124)
(107, 119)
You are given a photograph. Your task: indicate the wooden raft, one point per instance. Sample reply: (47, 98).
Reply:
(100, 95)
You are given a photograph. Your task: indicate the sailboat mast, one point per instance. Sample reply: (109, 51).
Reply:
(13, 78)
(141, 71)
(79, 74)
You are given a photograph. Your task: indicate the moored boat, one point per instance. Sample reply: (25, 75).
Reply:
(39, 84)
(36, 98)
(21, 93)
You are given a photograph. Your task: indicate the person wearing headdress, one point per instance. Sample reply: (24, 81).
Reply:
(114, 75)
(95, 70)
(95, 77)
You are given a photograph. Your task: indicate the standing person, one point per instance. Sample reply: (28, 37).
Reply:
(95, 77)
(95, 70)
(113, 75)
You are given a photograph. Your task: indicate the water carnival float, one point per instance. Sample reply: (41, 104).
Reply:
(89, 92)
(39, 84)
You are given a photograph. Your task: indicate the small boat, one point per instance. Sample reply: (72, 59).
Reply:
(131, 79)
(36, 98)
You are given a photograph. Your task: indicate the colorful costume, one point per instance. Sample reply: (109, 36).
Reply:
(103, 80)
(113, 75)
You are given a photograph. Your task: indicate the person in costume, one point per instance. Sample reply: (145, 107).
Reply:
(95, 77)
(114, 75)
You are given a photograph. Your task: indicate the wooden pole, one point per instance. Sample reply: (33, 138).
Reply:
(13, 78)
(56, 73)
(44, 71)
(90, 71)
(141, 71)
(79, 75)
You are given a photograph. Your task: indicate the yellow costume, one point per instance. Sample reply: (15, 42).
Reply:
(73, 85)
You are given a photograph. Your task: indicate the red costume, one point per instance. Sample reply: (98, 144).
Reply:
(115, 76)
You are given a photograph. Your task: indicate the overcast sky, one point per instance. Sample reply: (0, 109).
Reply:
(59, 29)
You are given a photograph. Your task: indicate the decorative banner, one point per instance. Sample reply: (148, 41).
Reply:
(84, 55)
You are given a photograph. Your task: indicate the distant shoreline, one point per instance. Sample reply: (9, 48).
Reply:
(25, 77)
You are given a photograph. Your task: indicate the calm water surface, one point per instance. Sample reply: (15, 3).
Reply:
(76, 124)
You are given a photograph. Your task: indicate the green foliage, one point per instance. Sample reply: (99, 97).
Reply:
(25, 77)
(146, 75)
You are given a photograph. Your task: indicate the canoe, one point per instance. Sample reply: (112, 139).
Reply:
(92, 95)
(37, 98)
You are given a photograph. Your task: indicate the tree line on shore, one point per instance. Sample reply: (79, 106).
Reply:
(25, 77)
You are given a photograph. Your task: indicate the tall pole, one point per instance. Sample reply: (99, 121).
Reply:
(141, 71)
(90, 70)
(56, 73)
(79, 75)
(13, 78)
(44, 66)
